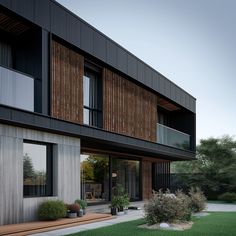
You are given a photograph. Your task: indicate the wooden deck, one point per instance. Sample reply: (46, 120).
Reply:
(23, 229)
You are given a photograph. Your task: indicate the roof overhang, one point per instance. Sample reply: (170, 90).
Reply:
(91, 136)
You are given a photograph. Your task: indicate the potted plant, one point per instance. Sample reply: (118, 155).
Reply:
(83, 204)
(114, 205)
(120, 200)
(73, 210)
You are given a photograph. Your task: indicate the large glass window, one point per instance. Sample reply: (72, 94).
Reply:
(37, 169)
(100, 174)
(92, 98)
(94, 178)
(16, 88)
(126, 173)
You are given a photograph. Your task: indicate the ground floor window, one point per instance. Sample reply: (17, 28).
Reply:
(100, 174)
(37, 169)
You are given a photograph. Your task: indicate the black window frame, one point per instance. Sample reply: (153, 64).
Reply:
(49, 169)
(111, 157)
(95, 109)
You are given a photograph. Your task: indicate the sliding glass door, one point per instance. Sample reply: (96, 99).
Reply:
(126, 173)
(100, 174)
(94, 178)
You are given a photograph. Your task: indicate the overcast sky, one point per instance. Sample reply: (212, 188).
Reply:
(191, 42)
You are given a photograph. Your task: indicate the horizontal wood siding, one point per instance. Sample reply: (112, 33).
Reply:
(67, 83)
(128, 108)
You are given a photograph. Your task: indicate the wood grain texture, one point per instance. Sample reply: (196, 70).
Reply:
(128, 108)
(31, 228)
(66, 175)
(67, 84)
(166, 104)
(11, 180)
(146, 179)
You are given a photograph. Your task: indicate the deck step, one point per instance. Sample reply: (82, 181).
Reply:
(23, 229)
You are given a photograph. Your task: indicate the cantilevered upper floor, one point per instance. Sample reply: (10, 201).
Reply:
(59, 73)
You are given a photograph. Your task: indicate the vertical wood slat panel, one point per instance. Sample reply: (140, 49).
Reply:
(11, 181)
(146, 179)
(13, 207)
(128, 108)
(67, 83)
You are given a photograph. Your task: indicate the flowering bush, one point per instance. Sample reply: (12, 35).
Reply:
(166, 207)
(197, 200)
(73, 208)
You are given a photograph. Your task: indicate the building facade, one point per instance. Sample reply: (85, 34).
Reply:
(80, 115)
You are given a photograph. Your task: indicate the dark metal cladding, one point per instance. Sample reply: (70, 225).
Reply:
(99, 47)
(93, 136)
(53, 17)
(111, 53)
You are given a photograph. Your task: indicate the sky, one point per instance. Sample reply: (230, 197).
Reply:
(192, 43)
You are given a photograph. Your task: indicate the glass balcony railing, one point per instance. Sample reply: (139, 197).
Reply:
(172, 137)
(16, 89)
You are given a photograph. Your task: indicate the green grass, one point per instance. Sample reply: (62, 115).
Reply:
(215, 224)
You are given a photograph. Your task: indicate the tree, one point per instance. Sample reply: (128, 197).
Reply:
(28, 167)
(214, 169)
(87, 170)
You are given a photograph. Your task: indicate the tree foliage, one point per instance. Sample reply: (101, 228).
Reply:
(28, 167)
(214, 169)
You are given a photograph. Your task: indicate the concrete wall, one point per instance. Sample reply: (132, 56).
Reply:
(66, 164)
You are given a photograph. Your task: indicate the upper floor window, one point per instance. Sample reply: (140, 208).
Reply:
(92, 98)
(37, 169)
(16, 88)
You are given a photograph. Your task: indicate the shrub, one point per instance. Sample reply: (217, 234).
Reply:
(167, 208)
(73, 208)
(197, 200)
(228, 197)
(82, 203)
(185, 210)
(52, 210)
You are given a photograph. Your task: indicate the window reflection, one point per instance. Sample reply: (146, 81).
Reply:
(92, 96)
(94, 178)
(16, 89)
(126, 173)
(36, 170)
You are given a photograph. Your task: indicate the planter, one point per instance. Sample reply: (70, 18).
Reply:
(114, 211)
(84, 211)
(80, 213)
(72, 215)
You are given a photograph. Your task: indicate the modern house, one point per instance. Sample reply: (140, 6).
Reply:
(80, 115)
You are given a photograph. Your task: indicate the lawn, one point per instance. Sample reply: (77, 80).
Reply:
(215, 224)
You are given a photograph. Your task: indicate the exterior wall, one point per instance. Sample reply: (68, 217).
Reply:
(161, 175)
(66, 181)
(54, 18)
(146, 179)
(67, 84)
(128, 108)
